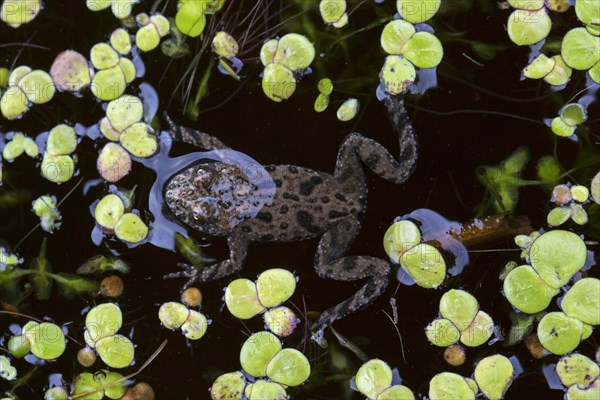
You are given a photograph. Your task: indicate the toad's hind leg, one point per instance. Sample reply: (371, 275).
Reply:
(330, 263)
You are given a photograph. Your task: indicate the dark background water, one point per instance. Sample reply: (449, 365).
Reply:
(456, 133)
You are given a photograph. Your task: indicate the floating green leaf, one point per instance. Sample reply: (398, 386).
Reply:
(442, 332)
(275, 286)
(577, 369)
(425, 265)
(130, 228)
(395, 35)
(288, 367)
(559, 333)
(7, 371)
(47, 340)
(109, 210)
(278, 82)
(241, 299)
(173, 315)
(479, 331)
(526, 291)
(228, 386)
(190, 18)
(449, 386)
(348, 110)
(257, 351)
(397, 74)
(459, 307)
(373, 377)
(399, 238)
(416, 11)
(116, 351)
(582, 301)
(493, 375)
(195, 325)
(424, 50)
(580, 50)
(557, 255)
(102, 321)
(526, 27)
(396, 392)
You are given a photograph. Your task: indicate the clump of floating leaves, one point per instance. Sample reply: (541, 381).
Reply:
(374, 380)
(57, 163)
(493, 376)
(18, 12)
(24, 88)
(262, 355)
(101, 326)
(580, 376)
(461, 320)
(114, 215)
(245, 299)
(192, 323)
(334, 12)
(422, 261)
(570, 200)
(408, 48)
(285, 60)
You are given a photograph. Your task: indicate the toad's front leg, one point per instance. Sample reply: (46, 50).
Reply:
(238, 249)
(330, 263)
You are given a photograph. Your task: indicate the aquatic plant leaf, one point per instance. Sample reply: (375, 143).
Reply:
(577, 369)
(590, 392)
(594, 73)
(580, 193)
(424, 50)
(332, 10)
(539, 67)
(400, 237)
(425, 265)
(40, 280)
(86, 382)
(18, 346)
(274, 286)
(479, 331)
(47, 340)
(418, 11)
(18, 12)
(113, 163)
(442, 332)
(557, 255)
(595, 188)
(124, 112)
(560, 74)
(70, 284)
(102, 321)
(522, 325)
(14, 103)
(578, 214)
(103, 56)
(224, 45)
(241, 298)
(281, 321)
(7, 371)
(288, 367)
(397, 74)
(373, 377)
(549, 170)
(573, 113)
(130, 228)
(190, 249)
(62, 140)
(116, 351)
(395, 35)
(190, 18)
(70, 71)
(588, 11)
(494, 375)
(449, 386)
(558, 216)
(527, 4)
(580, 50)
(172, 315)
(559, 333)
(112, 389)
(194, 326)
(527, 27)
(582, 301)
(396, 392)
(460, 307)
(348, 110)
(262, 389)
(138, 140)
(228, 386)
(527, 291)
(120, 41)
(257, 351)
(560, 128)
(109, 84)
(109, 211)
(321, 102)
(37, 86)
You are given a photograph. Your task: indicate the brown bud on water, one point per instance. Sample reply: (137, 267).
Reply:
(191, 297)
(86, 357)
(535, 347)
(455, 355)
(112, 286)
(561, 195)
(141, 391)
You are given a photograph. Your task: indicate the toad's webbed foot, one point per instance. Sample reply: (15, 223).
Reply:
(329, 263)
(238, 248)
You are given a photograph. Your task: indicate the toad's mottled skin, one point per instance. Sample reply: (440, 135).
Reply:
(213, 198)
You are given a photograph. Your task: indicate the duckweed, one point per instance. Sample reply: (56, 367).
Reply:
(494, 375)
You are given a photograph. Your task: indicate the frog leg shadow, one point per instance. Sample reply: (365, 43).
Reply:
(330, 263)
(238, 249)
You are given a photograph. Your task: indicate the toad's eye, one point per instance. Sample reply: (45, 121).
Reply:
(203, 212)
(204, 178)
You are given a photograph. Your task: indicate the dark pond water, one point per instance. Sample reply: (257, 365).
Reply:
(477, 115)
